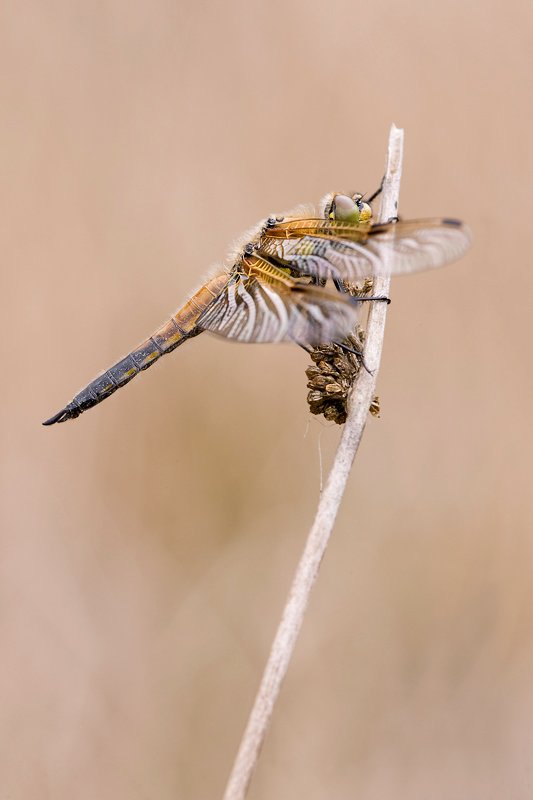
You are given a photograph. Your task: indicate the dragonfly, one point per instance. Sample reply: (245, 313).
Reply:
(286, 282)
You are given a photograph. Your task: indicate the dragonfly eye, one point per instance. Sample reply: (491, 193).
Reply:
(344, 208)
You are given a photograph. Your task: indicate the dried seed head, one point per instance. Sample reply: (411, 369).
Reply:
(334, 370)
(374, 407)
(358, 289)
(331, 377)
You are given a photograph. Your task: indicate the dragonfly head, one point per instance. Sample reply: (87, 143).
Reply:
(348, 209)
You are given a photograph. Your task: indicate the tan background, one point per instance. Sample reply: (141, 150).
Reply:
(148, 547)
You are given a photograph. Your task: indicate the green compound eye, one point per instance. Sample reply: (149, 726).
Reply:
(345, 208)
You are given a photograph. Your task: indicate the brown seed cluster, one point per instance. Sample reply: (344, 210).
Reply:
(334, 372)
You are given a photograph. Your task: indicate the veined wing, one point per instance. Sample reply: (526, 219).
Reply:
(267, 305)
(327, 248)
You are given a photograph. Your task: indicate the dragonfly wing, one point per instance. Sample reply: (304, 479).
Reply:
(337, 249)
(264, 308)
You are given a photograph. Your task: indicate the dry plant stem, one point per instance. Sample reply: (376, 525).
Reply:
(358, 406)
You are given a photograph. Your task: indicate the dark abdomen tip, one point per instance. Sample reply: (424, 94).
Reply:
(61, 416)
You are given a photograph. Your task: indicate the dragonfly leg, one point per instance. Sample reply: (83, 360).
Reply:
(316, 281)
(340, 287)
(306, 347)
(357, 353)
(376, 193)
(383, 299)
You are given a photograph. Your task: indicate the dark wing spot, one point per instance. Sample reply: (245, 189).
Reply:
(454, 222)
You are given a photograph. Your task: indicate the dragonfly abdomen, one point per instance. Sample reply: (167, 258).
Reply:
(180, 327)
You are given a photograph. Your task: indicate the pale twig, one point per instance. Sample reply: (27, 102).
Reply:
(358, 406)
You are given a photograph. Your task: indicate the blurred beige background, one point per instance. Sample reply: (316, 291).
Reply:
(147, 548)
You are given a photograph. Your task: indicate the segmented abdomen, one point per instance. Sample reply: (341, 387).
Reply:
(180, 327)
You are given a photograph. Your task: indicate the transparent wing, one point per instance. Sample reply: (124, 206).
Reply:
(268, 306)
(338, 249)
